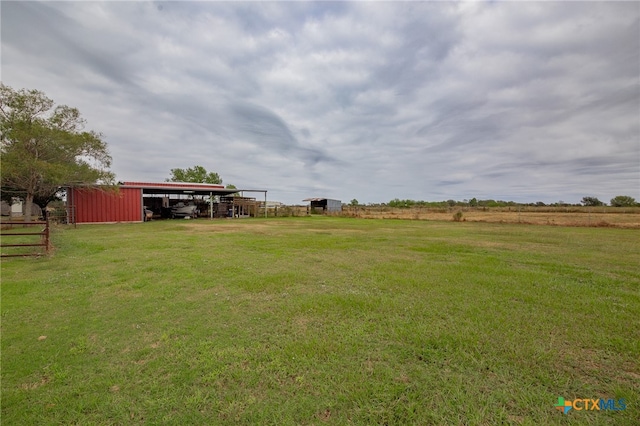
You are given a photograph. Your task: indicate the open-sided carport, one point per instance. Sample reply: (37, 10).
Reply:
(93, 204)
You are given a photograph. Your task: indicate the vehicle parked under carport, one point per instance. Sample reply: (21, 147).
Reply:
(189, 210)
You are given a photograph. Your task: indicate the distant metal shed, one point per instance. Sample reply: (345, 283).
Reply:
(325, 204)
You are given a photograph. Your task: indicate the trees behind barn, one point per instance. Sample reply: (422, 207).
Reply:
(591, 202)
(44, 147)
(195, 174)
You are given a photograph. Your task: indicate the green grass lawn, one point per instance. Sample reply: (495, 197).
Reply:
(322, 321)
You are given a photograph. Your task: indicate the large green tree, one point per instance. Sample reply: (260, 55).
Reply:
(623, 201)
(44, 148)
(195, 174)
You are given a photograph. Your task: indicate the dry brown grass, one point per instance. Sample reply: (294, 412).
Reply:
(559, 216)
(570, 216)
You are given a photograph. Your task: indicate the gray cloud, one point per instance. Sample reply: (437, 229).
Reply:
(268, 131)
(423, 100)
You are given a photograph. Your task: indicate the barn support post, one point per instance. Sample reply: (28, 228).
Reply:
(211, 205)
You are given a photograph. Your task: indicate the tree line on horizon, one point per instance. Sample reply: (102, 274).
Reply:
(618, 201)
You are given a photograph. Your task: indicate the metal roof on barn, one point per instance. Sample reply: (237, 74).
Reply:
(179, 188)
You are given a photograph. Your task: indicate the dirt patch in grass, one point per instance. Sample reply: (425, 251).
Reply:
(257, 227)
(225, 227)
(35, 385)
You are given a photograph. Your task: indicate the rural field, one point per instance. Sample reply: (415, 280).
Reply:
(323, 320)
(619, 217)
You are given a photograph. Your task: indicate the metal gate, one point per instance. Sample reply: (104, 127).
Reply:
(8, 230)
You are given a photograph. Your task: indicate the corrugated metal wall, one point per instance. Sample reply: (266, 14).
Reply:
(334, 205)
(95, 205)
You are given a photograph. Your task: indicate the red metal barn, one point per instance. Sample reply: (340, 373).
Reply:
(92, 204)
(95, 205)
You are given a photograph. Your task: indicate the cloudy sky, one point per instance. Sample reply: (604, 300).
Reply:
(533, 101)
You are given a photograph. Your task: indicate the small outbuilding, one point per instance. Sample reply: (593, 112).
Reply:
(324, 205)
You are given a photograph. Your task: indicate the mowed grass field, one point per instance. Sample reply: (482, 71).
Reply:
(322, 320)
